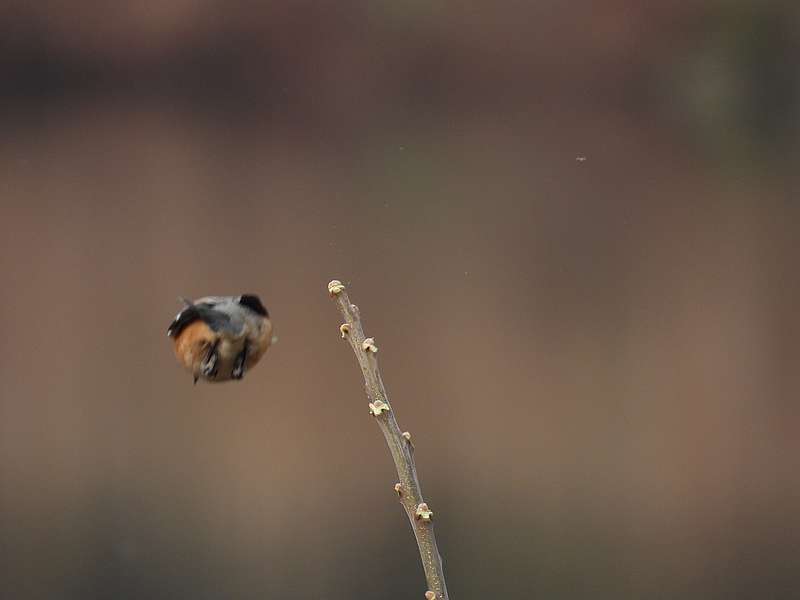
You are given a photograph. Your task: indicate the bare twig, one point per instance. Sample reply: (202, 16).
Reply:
(399, 442)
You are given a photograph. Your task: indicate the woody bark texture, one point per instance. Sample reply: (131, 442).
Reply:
(399, 442)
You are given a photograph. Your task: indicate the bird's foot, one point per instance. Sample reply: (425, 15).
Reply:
(208, 367)
(238, 366)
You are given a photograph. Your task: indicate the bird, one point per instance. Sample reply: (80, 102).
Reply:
(219, 338)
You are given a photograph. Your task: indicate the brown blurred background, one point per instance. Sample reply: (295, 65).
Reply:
(571, 226)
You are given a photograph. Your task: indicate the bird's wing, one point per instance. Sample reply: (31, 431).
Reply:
(217, 320)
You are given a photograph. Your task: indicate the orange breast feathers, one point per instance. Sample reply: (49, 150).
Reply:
(193, 343)
(258, 342)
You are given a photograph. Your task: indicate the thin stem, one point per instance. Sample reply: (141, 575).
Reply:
(399, 442)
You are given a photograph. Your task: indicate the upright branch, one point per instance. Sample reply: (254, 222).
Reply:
(399, 442)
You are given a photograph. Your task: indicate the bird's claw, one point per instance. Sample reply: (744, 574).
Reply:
(238, 366)
(208, 368)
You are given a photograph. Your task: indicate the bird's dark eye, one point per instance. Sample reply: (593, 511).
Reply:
(253, 302)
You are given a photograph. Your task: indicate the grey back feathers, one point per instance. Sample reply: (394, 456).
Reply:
(223, 314)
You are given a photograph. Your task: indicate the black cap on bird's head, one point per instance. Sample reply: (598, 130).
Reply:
(253, 302)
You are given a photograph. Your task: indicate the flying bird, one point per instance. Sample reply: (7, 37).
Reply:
(219, 338)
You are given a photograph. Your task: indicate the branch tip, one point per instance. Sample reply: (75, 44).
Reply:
(335, 287)
(407, 436)
(344, 329)
(398, 487)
